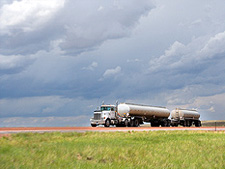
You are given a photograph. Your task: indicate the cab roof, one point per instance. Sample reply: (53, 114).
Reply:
(106, 105)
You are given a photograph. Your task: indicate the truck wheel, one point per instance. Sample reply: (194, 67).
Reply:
(93, 125)
(107, 123)
(132, 123)
(168, 123)
(164, 124)
(184, 123)
(126, 123)
(136, 123)
(153, 124)
(188, 123)
(197, 123)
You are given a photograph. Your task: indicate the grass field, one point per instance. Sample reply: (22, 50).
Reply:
(153, 149)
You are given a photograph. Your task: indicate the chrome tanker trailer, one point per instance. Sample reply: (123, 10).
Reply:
(185, 117)
(128, 114)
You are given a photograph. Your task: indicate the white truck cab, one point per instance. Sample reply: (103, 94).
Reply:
(105, 116)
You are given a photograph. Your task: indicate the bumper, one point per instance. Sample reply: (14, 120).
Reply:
(97, 122)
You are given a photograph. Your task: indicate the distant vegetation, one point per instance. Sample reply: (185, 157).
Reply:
(147, 149)
(213, 123)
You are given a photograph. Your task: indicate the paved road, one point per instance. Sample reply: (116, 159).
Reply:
(4, 131)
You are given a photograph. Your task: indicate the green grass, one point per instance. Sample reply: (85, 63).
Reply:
(153, 149)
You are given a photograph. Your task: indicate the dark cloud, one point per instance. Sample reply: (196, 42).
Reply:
(125, 50)
(78, 31)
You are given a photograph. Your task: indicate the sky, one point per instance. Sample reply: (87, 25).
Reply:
(60, 59)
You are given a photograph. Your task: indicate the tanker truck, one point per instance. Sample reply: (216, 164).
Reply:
(130, 115)
(185, 117)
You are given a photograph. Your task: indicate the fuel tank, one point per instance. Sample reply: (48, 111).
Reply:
(129, 109)
(184, 113)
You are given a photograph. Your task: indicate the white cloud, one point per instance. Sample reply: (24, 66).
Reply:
(27, 15)
(112, 72)
(212, 109)
(170, 56)
(37, 23)
(195, 53)
(215, 45)
(133, 60)
(15, 61)
(92, 66)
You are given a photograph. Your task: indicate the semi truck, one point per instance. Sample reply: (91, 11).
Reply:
(130, 115)
(185, 117)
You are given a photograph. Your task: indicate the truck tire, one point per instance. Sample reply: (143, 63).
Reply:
(93, 125)
(107, 123)
(164, 124)
(188, 123)
(126, 123)
(168, 123)
(184, 124)
(154, 124)
(197, 123)
(132, 123)
(136, 122)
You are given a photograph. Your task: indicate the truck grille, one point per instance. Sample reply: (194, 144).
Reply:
(97, 116)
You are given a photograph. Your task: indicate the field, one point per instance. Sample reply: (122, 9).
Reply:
(213, 123)
(152, 149)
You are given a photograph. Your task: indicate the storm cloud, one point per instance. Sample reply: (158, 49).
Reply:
(60, 59)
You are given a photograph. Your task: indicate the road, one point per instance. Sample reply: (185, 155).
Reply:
(10, 130)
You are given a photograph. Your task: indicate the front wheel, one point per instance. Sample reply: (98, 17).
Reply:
(126, 123)
(93, 125)
(107, 123)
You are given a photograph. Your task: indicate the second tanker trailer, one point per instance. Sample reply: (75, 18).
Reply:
(185, 117)
(127, 114)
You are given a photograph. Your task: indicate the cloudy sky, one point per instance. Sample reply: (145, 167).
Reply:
(60, 59)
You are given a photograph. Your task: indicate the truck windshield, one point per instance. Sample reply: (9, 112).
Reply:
(106, 108)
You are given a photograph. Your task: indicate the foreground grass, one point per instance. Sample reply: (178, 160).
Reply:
(157, 149)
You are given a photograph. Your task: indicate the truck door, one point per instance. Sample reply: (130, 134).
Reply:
(113, 113)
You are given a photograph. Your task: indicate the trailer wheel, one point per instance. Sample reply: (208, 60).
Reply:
(188, 123)
(126, 123)
(107, 123)
(184, 124)
(164, 124)
(136, 123)
(168, 123)
(93, 125)
(154, 124)
(197, 123)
